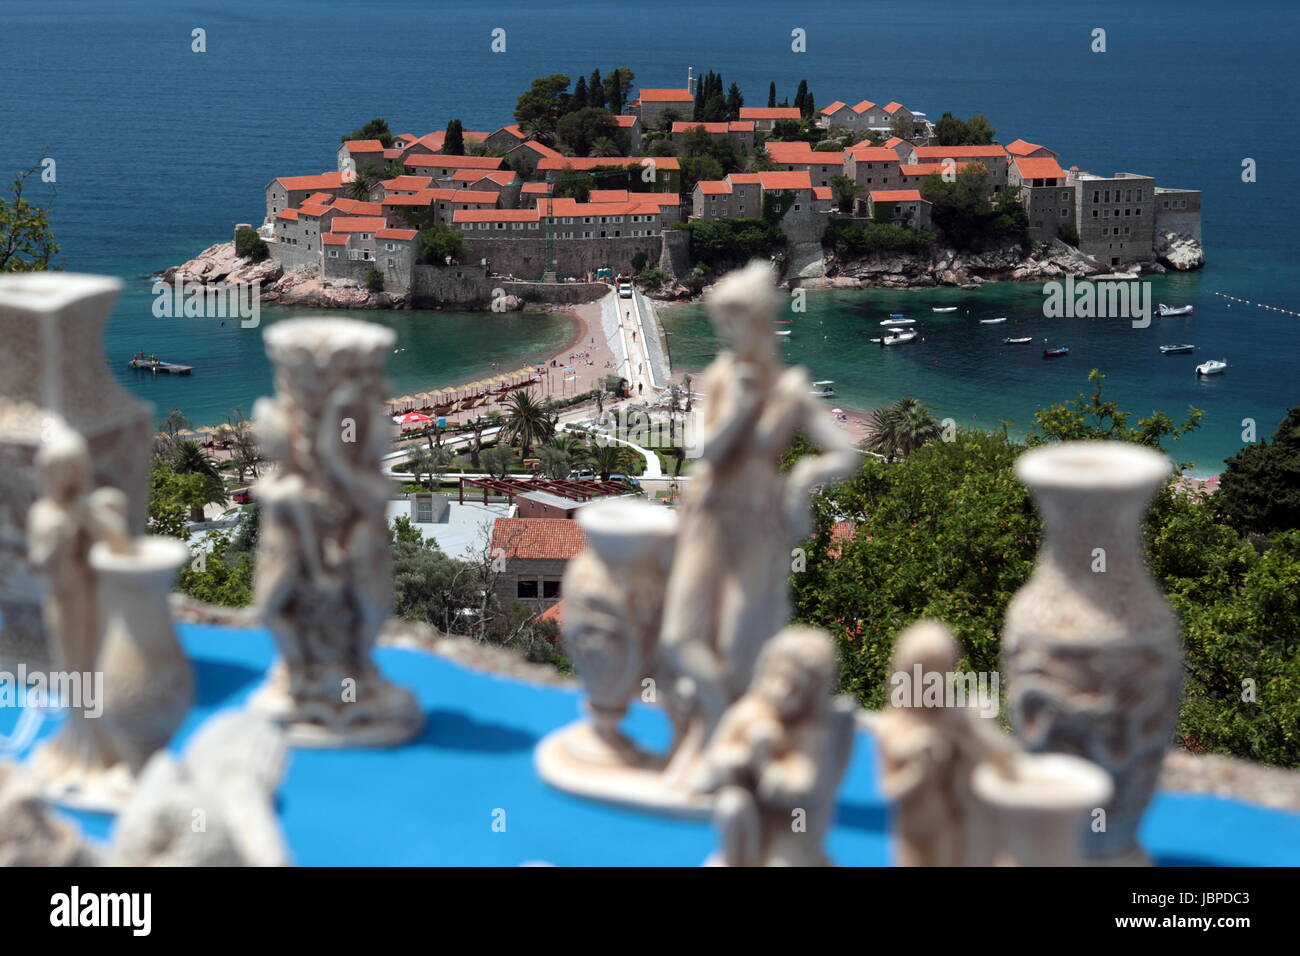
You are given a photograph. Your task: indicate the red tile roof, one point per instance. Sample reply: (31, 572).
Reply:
(795, 180)
(479, 196)
(333, 239)
(929, 169)
(541, 149)
(545, 539)
(571, 207)
(1038, 167)
(440, 161)
(407, 183)
(627, 120)
(289, 214)
(892, 108)
(319, 181)
(315, 209)
(873, 154)
(837, 105)
(863, 106)
(893, 141)
(356, 207)
(957, 152)
(736, 126)
(364, 146)
(897, 195)
(553, 613)
(495, 215)
(666, 96)
(823, 192)
(714, 187)
(533, 189)
(1022, 147)
(404, 234)
(514, 130)
(556, 163)
(358, 224)
(770, 112)
(502, 177)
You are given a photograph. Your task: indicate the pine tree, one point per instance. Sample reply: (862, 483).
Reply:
(596, 90)
(801, 96)
(579, 100)
(735, 100)
(453, 143)
(771, 95)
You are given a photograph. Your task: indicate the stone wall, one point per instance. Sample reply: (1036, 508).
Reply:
(527, 258)
(293, 257)
(675, 256)
(464, 286)
(554, 293)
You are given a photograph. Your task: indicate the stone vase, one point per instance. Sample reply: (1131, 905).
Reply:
(148, 680)
(1091, 650)
(1037, 810)
(52, 363)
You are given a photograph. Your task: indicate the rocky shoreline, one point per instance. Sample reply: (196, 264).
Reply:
(297, 287)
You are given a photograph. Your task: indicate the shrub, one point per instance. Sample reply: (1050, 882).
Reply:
(374, 280)
(249, 245)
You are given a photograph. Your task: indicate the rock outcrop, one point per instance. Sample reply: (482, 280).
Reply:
(1179, 250)
(949, 268)
(297, 287)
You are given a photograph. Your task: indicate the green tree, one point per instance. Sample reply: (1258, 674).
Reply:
(528, 421)
(439, 242)
(191, 460)
(1260, 489)
(844, 190)
(899, 429)
(771, 95)
(428, 586)
(26, 239)
(376, 129)
(542, 105)
(374, 280)
(581, 129)
(612, 458)
(249, 245)
(453, 143)
(497, 460)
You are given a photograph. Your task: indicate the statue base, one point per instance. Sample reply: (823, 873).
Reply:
(574, 760)
(384, 716)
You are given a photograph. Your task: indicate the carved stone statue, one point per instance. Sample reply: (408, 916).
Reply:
(1091, 649)
(81, 765)
(928, 754)
(613, 600)
(726, 593)
(215, 806)
(324, 570)
(52, 364)
(107, 615)
(778, 756)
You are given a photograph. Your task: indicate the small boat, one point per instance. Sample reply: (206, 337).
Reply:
(950, 308)
(1056, 352)
(876, 340)
(784, 332)
(1164, 311)
(898, 338)
(823, 389)
(1175, 349)
(992, 321)
(898, 320)
(1020, 341)
(1212, 367)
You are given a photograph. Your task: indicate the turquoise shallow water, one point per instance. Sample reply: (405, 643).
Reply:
(161, 150)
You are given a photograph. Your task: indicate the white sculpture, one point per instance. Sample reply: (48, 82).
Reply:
(31, 834)
(324, 569)
(215, 806)
(726, 594)
(1091, 649)
(107, 616)
(613, 599)
(52, 364)
(778, 756)
(928, 755)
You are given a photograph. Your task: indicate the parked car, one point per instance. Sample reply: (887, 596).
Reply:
(243, 496)
(625, 290)
(627, 480)
(581, 474)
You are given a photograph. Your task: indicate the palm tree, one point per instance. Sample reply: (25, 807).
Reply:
(604, 146)
(610, 458)
(367, 176)
(528, 421)
(190, 459)
(899, 429)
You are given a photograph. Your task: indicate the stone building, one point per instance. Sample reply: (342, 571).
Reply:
(993, 158)
(286, 192)
(651, 106)
(1115, 217)
(900, 207)
(1178, 211)
(535, 552)
(740, 133)
(866, 115)
(821, 166)
(765, 117)
(1049, 203)
(873, 167)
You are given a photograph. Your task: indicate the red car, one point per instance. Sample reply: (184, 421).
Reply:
(243, 496)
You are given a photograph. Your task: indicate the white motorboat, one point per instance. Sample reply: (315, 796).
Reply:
(823, 389)
(899, 322)
(898, 338)
(1212, 367)
(784, 332)
(1175, 349)
(1023, 340)
(992, 321)
(950, 308)
(1164, 311)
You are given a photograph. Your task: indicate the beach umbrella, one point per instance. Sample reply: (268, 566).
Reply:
(837, 411)
(412, 418)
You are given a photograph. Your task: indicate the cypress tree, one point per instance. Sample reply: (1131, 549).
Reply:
(771, 95)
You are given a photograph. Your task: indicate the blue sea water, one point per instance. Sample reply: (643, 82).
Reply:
(161, 150)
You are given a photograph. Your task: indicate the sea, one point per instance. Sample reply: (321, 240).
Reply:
(160, 150)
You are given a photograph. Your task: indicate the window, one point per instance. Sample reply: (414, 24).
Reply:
(526, 589)
(388, 263)
(1065, 195)
(1096, 195)
(334, 253)
(424, 510)
(390, 247)
(365, 235)
(550, 589)
(1137, 211)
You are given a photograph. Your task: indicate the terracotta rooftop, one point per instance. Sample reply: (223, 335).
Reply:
(494, 215)
(364, 146)
(666, 96)
(358, 224)
(1038, 167)
(557, 163)
(439, 160)
(795, 180)
(403, 234)
(540, 539)
(319, 181)
(897, 195)
(833, 107)
(770, 112)
(1022, 147)
(956, 152)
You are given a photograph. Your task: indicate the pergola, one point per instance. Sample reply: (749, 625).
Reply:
(576, 490)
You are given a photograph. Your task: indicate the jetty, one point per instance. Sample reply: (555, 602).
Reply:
(151, 363)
